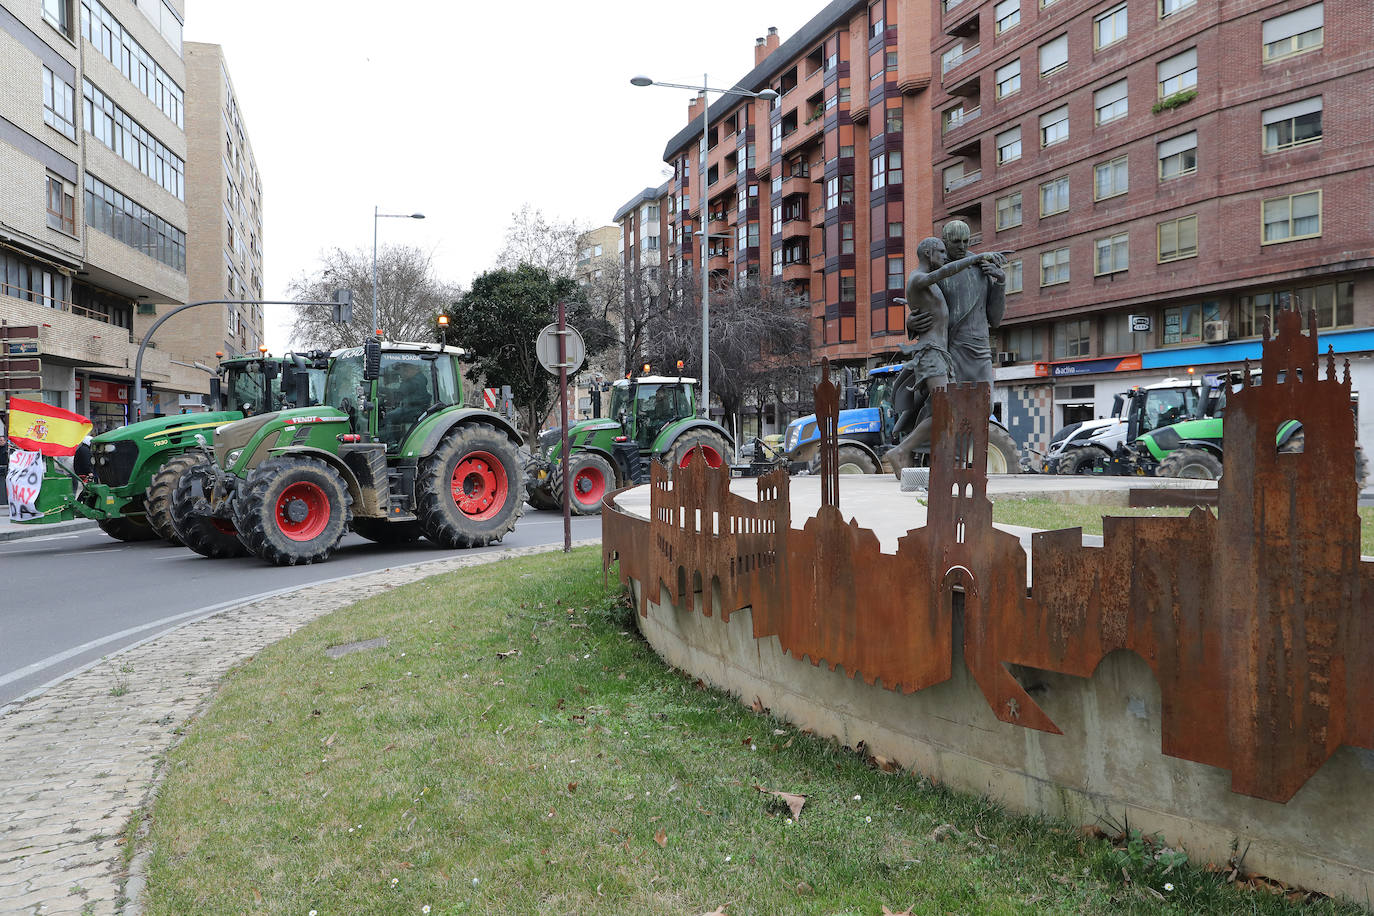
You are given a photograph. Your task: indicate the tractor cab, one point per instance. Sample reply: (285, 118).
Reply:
(247, 386)
(1164, 404)
(388, 390)
(646, 405)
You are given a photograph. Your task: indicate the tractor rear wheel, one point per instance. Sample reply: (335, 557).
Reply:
(470, 490)
(1004, 457)
(592, 478)
(1190, 463)
(381, 531)
(854, 460)
(1078, 460)
(292, 511)
(215, 538)
(712, 445)
(131, 527)
(159, 496)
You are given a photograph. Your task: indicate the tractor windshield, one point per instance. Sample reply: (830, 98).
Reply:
(656, 406)
(1167, 406)
(248, 388)
(342, 384)
(405, 390)
(620, 401)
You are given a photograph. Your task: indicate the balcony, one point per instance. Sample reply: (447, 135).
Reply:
(796, 271)
(959, 117)
(795, 184)
(957, 56)
(955, 182)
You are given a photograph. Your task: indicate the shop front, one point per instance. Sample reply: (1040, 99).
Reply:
(105, 402)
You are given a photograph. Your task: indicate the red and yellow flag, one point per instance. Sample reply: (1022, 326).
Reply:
(36, 427)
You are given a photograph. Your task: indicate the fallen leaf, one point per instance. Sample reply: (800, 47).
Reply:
(389, 747)
(758, 705)
(257, 896)
(661, 838)
(793, 801)
(804, 889)
(572, 787)
(329, 742)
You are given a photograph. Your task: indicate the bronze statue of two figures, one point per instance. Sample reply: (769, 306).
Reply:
(954, 301)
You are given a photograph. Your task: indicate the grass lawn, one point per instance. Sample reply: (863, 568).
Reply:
(1043, 513)
(518, 749)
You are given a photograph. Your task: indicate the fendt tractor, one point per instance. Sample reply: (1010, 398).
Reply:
(1093, 444)
(135, 467)
(391, 453)
(651, 417)
(867, 429)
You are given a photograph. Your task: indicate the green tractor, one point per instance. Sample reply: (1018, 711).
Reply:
(1193, 449)
(135, 467)
(390, 454)
(651, 417)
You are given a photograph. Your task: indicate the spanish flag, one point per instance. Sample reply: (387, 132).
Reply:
(36, 427)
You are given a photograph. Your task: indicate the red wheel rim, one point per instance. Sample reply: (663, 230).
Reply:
(479, 485)
(589, 486)
(302, 511)
(712, 456)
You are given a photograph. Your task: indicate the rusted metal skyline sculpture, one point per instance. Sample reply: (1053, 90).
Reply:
(1257, 621)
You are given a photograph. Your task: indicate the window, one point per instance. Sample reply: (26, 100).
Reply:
(894, 167)
(1117, 336)
(1054, 267)
(110, 212)
(1013, 271)
(1169, 7)
(1054, 196)
(59, 104)
(1112, 254)
(1054, 55)
(832, 193)
(1110, 102)
(1183, 323)
(1073, 338)
(846, 238)
(894, 121)
(879, 172)
(61, 205)
(1334, 304)
(1007, 13)
(1297, 216)
(1109, 27)
(846, 190)
(1008, 79)
(895, 230)
(1009, 211)
(1293, 33)
(891, 63)
(1178, 156)
(102, 29)
(1026, 344)
(896, 273)
(114, 127)
(1111, 178)
(875, 20)
(1054, 126)
(953, 176)
(956, 56)
(1178, 238)
(1009, 146)
(847, 288)
(59, 13)
(1292, 125)
(1178, 73)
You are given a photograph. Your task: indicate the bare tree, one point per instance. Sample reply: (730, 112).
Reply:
(409, 297)
(534, 239)
(760, 340)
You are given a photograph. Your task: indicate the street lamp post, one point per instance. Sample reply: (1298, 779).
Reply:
(705, 89)
(376, 328)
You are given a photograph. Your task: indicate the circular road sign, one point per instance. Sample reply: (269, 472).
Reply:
(546, 347)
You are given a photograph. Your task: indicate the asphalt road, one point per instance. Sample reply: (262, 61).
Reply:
(68, 599)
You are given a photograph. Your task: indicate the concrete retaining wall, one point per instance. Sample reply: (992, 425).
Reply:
(1107, 764)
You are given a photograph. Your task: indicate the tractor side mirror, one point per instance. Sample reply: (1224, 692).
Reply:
(270, 369)
(216, 393)
(372, 360)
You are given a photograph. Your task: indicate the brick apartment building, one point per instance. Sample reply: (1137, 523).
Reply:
(1193, 165)
(224, 204)
(645, 228)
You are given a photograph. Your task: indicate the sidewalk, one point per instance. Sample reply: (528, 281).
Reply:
(77, 761)
(9, 531)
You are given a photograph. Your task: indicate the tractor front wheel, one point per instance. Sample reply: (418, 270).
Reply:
(854, 460)
(592, 478)
(1190, 463)
(470, 490)
(697, 444)
(159, 496)
(293, 511)
(1077, 460)
(215, 538)
(130, 527)
(1004, 457)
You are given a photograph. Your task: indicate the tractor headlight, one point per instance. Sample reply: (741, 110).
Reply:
(232, 458)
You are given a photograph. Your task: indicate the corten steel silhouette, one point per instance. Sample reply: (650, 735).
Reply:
(1255, 622)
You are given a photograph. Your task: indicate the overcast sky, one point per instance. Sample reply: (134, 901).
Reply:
(463, 111)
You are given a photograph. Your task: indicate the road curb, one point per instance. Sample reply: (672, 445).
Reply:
(12, 532)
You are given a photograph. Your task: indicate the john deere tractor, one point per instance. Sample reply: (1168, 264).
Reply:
(651, 417)
(135, 467)
(390, 454)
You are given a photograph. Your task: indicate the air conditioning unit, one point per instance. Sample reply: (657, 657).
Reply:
(1007, 357)
(1216, 331)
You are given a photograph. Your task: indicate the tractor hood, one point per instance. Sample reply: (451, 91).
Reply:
(851, 422)
(174, 426)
